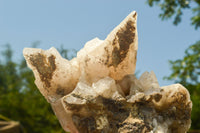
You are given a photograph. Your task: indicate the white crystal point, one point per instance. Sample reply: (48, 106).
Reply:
(149, 80)
(114, 57)
(55, 76)
(107, 88)
(130, 85)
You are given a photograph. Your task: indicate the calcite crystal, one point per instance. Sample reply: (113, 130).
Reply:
(97, 92)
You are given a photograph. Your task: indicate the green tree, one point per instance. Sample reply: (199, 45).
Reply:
(20, 100)
(187, 72)
(174, 8)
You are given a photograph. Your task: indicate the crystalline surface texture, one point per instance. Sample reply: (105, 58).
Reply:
(97, 92)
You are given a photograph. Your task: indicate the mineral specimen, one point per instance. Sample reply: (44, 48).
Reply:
(97, 92)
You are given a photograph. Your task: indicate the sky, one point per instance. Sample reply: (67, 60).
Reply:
(72, 23)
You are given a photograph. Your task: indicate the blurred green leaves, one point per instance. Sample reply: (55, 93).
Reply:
(174, 8)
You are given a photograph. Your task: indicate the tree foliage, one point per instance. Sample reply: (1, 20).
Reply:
(187, 72)
(174, 8)
(20, 100)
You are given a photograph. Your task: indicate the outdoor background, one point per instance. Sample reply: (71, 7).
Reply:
(169, 45)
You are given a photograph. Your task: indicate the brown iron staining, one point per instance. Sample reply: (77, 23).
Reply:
(107, 58)
(45, 67)
(157, 97)
(60, 91)
(124, 37)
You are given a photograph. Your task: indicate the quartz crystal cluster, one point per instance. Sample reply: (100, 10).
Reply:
(97, 92)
